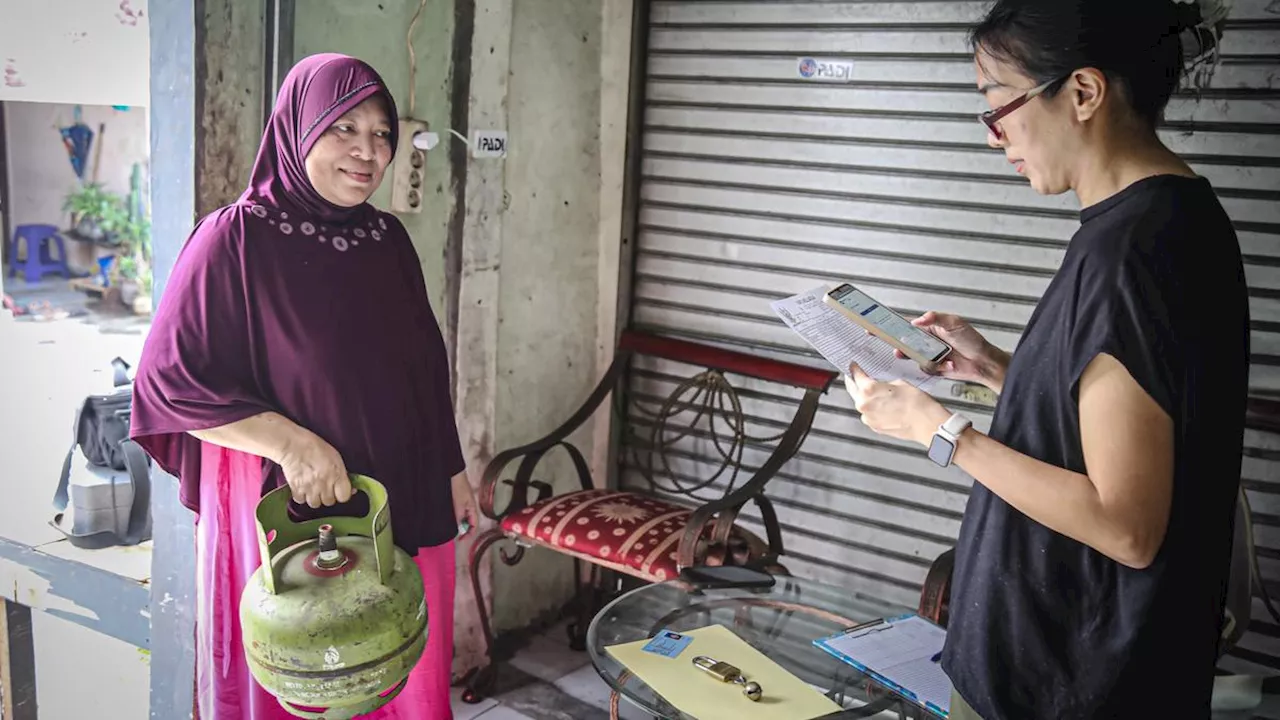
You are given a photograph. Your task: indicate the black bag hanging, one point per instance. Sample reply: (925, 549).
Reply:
(102, 436)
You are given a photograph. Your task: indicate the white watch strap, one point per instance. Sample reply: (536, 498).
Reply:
(955, 425)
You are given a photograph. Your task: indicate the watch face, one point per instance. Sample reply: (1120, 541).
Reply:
(941, 450)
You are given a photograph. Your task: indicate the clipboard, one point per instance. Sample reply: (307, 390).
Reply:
(900, 653)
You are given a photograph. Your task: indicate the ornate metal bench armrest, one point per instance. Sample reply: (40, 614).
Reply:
(935, 596)
(532, 453)
(524, 480)
(729, 505)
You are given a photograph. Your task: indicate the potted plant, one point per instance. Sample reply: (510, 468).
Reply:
(133, 266)
(127, 279)
(94, 213)
(134, 256)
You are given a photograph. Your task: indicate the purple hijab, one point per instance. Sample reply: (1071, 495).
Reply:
(315, 93)
(286, 302)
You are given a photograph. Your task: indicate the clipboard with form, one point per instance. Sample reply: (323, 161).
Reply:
(900, 653)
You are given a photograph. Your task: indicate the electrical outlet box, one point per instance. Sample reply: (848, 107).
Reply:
(408, 170)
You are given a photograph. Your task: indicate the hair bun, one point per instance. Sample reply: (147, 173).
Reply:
(1186, 14)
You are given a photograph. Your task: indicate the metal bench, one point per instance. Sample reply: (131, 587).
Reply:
(644, 535)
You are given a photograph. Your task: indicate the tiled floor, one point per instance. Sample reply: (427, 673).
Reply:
(546, 681)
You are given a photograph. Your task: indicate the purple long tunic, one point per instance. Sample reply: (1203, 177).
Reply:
(284, 302)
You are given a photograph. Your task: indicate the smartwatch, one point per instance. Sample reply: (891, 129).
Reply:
(943, 446)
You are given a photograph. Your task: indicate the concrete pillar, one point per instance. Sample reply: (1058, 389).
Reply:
(207, 77)
(476, 350)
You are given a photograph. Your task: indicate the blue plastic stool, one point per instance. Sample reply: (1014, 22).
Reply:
(40, 260)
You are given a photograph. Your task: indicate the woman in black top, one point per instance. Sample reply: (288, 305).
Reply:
(1092, 559)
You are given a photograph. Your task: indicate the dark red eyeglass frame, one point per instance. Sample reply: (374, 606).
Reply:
(992, 118)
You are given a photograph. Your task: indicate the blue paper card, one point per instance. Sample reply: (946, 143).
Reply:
(668, 643)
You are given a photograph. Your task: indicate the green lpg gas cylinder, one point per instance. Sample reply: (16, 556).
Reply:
(334, 618)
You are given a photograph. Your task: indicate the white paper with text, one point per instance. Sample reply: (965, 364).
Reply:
(843, 342)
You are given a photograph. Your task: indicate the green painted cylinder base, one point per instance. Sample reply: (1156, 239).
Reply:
(340, 696)
(345, 712)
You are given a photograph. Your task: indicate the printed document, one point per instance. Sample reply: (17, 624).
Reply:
(843, 342)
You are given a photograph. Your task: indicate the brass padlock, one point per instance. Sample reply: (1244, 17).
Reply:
(724, 672)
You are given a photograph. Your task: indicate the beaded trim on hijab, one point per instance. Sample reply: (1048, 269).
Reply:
(280, 220)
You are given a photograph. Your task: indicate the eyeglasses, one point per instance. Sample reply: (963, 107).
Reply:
(992, 118)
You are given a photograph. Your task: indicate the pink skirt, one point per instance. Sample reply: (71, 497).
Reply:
(227, 555)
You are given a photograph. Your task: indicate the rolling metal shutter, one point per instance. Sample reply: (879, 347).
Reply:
(759, 183)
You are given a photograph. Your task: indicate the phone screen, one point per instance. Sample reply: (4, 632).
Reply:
(890, 322)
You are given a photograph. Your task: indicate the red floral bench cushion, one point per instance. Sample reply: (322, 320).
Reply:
(636, 534)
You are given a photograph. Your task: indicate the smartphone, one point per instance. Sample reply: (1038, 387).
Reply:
(923, 347)
(726, 576)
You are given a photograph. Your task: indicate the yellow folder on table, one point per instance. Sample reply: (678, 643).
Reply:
(694, 692)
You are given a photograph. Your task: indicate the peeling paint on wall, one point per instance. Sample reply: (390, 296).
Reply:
(92, 52)
(81, 594)
(230, 110)
(11, 76)
(128, 15)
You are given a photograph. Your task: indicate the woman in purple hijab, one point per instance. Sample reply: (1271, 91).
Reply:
(295, 343)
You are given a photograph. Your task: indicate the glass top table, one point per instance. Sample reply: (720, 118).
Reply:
(782, 622)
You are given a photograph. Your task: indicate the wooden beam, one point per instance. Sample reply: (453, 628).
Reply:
(17, 663)
(91, 597)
